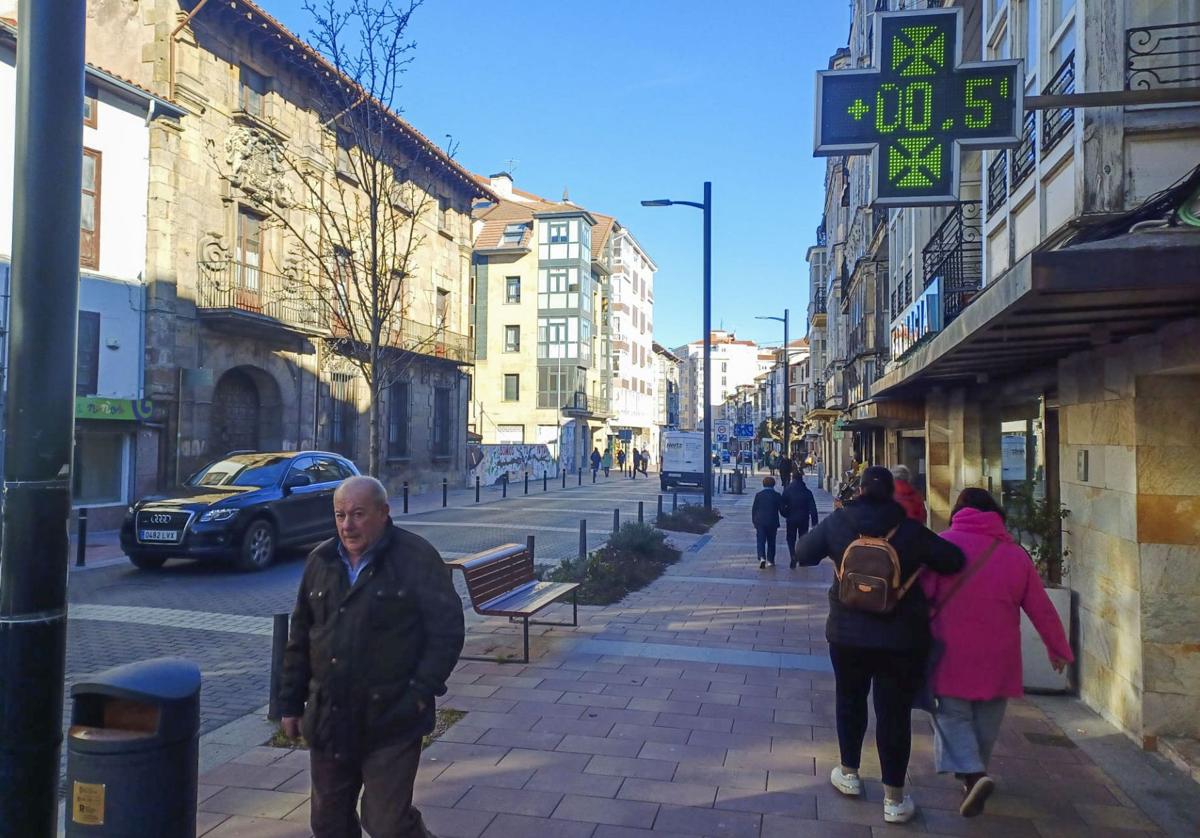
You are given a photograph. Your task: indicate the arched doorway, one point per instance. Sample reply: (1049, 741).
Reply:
(236, 413)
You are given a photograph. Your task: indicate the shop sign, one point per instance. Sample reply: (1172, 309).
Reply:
(122, 410)
(920, 320)
(917, 106)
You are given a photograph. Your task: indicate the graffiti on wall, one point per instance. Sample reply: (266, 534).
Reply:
(491, 462)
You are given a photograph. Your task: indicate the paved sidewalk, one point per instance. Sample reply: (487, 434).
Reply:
(700, 706)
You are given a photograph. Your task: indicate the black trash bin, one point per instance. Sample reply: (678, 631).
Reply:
(132, 751)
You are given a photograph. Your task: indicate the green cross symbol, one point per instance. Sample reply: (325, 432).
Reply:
(858, 109)
(919, 51)
(915, 161)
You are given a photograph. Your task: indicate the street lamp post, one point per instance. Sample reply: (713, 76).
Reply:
(706, 208)
(787, 385)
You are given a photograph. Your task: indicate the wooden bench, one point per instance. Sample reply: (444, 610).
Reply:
(501, 583)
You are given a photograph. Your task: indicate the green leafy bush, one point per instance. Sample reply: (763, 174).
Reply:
(634, 557)
(691, 517)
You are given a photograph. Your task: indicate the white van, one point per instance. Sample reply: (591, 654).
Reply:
(681, 456)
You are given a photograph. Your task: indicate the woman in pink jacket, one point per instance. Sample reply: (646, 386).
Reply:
(976, 615)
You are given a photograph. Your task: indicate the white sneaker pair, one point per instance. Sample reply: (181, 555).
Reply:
(893, 811)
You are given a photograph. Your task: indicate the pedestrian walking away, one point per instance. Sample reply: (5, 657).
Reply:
(877, 653)
(907, 494)
(785, 470)
(606, 462)
(595, 460)
(621, 461)
(768, 506)
(376, 631)
(976, 623)
(637, 463)
(645, 462)
(799, 511)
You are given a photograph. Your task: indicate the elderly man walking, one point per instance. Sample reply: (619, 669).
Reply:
(376, 631)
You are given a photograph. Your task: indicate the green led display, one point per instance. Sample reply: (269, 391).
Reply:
(917, 104)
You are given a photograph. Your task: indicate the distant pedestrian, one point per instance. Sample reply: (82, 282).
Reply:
(785, 470)
(637, 463)
(768, 506)
(976, 618)
(376, 631)
(621, 461)
(877, 653)
(800, 511)
(606, 461)
(645, 462)
(595, 458)
(907, 494)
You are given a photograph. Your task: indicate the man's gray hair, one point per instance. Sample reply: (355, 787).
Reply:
(374, 490)
(901, 472)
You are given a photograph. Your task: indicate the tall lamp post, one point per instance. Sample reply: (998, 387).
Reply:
(706, 208)
(787, 384)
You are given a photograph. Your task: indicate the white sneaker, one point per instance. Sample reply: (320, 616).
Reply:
(847, 784)
(762, 563)
(901, 812)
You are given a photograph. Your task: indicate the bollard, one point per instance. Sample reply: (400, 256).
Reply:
(81, 547)
(477, 488)
(504, 486)
(641, 513)
(279, 639)
(659, 507)
(582, 537)
(405, 497)
(529, 547)
(445, 488)
(674, 502)
(545, 485)
(579, 474)
(526, 482)
(616, 521)
(564, 477)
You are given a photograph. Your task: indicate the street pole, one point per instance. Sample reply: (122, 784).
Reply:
(787, 386)
(708, 429)
(40, 411)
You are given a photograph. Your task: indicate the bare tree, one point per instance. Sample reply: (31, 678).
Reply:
(355, 203)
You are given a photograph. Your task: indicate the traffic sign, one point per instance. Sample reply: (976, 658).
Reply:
(722, 430)
(917, 106)
(744, 430)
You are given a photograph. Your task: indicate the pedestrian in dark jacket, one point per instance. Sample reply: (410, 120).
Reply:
(595, 459)
(621, 460)
(376, 631)
(800, 511)
(768, 506)
(785, 470)
(878, 654)
(637, 463)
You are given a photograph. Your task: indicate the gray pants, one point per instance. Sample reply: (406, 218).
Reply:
(964, 734)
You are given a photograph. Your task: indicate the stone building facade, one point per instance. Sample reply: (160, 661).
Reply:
(237, 357)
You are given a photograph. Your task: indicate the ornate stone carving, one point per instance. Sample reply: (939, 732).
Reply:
(255, 165)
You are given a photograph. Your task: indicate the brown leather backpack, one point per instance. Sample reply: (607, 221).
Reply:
(869, 575)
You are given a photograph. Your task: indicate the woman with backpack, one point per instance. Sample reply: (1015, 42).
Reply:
(976, 618)
(878, 627)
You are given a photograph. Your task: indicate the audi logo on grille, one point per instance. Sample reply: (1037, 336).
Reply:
(160, 518)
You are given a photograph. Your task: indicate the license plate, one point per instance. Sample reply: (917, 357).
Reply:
(158, 535)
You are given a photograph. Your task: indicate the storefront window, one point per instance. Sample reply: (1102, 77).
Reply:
(1023, 457)
(99, 468)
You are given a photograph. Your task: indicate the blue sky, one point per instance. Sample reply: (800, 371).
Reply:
(634, 99)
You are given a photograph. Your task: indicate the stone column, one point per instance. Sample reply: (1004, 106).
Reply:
(939, 476)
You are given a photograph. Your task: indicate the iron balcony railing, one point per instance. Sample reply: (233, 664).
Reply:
(822, 236)
(235, 286)
(818, 304)
(1057, 123)
(1162, 56)
(954, 257)
(410, 336)
(997, 182)
(1024, 156)
(577, 403)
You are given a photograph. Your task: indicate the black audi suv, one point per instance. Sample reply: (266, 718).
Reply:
(242, 507)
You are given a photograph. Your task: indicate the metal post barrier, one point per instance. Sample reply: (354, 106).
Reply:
(545, 484)
(81, 547)
(616, 520)
(405, 497)
(504, 486)
(445, 492)
(526, 482)
(477, 488)
(641, 512)
(529, 546)
(580, 476)
(582, 537)
(674, 502)
(564, 478)
(659, 508)
(279, 639)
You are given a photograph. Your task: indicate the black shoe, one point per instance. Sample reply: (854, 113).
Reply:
(762, 563)
(792, 564)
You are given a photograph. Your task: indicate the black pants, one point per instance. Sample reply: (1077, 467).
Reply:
(385, 776)
(794, 531)
(766, 543)
(892, 678)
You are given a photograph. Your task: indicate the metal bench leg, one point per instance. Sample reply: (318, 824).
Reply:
(526, 633)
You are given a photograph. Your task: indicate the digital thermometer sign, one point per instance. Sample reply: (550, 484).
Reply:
(918, 104)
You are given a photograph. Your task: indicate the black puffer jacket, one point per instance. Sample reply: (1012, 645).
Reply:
(907, 627)
(364, 664)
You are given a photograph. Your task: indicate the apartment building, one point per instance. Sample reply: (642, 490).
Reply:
(541, 323)
(666, 387)
(1042, 334)
(734, 362)
(631, 300)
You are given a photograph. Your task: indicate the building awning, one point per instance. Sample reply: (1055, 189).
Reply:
(1053, 303)
(886, 413)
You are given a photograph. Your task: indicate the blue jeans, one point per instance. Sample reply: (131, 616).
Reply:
(766, 543)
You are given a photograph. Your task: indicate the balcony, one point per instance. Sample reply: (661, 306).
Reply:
(1162, 56)
(414, 337)
(246, 297)
(579, 405)
(1057, 123)
(954, 257)
(1024, 156)
(997, 193)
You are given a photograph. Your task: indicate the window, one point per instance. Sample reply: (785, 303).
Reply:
(89, 216)
(512, 338)
(445, 215)
(514, 234)
(87, 359)
(344, 164)
(343, 412)
(510, 434)
(397, 429)
(1032, 47)
(512, 387)
(248, 248)
(443, 306)
(99, 473)
(90, 102)
(441, 422)
(512, 289)
(559, 232)
(254, 87)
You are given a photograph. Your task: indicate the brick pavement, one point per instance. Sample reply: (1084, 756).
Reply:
(670, 738)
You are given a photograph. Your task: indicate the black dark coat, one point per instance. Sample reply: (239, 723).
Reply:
(768, 506)
(364, 664)
(907, 627)
(799, 505)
